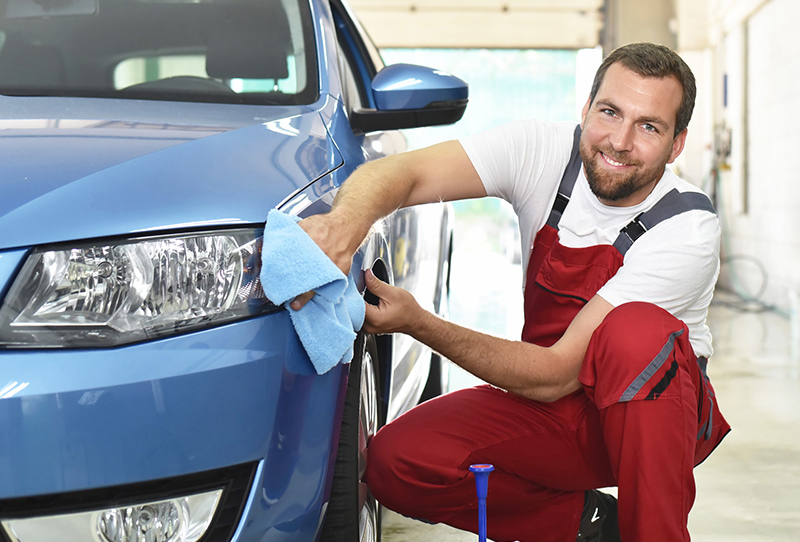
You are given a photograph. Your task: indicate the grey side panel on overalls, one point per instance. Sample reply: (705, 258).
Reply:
(651, 369)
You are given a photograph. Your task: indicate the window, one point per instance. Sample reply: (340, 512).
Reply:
(239, 51)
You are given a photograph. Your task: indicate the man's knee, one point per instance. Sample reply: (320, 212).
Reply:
(402, 467)
(635, 330)
(413, 467)
(634, 344)
(385, 455)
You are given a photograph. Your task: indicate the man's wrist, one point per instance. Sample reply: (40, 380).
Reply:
(350, 229)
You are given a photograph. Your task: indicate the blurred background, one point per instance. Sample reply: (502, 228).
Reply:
(537, 58)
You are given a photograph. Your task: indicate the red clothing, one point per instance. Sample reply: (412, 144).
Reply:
(645, 417)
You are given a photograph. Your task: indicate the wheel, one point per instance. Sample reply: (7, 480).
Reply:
(439, 373)
(353, 514)
(438, 379)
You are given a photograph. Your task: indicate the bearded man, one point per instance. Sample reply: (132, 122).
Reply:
(608, 386)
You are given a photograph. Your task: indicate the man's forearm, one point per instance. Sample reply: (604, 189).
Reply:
(442, 172)
(373, 191)
(356, 208)
(522, 368)
(544, 374)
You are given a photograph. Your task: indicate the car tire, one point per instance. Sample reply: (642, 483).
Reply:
(439, 372)
(353, 514)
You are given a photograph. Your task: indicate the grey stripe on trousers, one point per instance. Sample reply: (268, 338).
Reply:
(651, 369)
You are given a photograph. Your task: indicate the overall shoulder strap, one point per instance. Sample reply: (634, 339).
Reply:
(567, 181)
(672, 204)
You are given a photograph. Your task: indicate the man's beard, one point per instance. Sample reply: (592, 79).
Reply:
(608, 187)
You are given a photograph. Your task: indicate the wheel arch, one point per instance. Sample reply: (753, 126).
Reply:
(376, 255)
(445, 260)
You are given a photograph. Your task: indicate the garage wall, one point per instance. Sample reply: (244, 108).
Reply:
(630, 21)
(756, 80)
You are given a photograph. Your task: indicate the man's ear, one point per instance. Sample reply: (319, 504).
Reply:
(677, 145)
(585, 111)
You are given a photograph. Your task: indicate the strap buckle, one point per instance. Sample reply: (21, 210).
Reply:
(634, 229)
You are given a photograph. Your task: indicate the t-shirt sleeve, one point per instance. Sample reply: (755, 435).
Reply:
(674, 265)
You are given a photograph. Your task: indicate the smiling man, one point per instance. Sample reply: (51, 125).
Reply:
(608, 385)
(615, 175)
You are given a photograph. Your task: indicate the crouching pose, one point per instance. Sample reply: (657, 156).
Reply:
(608, 386)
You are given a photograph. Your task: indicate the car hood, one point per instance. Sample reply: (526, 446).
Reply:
(76, 169)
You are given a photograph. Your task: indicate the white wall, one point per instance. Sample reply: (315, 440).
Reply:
(754, 44)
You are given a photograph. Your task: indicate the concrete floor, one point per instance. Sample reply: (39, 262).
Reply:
(749, 489)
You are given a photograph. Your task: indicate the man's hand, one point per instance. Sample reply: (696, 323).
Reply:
(396, 311)
(326, 231)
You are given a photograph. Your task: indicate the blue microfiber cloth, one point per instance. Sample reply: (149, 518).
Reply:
(292, 264)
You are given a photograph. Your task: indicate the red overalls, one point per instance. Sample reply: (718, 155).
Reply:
(645, 417)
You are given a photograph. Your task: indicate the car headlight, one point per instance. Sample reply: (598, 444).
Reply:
(182, 519)
(114, 293)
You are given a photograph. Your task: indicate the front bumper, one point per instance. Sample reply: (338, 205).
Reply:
(109, 422)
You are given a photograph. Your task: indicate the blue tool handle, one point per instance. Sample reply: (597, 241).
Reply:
(481, 473)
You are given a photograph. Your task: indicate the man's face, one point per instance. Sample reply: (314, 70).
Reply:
(627, 137)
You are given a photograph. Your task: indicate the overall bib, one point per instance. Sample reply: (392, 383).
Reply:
(645, 417)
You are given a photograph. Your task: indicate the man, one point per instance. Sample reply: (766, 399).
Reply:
(608, 385)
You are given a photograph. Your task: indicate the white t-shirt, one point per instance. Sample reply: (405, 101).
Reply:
(674, 265)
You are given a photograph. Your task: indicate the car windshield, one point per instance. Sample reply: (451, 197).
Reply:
(228, 51)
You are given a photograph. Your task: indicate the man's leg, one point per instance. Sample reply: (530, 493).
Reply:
(419, 464)
(641, 372)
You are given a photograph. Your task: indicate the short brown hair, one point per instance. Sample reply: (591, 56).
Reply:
(652, 60)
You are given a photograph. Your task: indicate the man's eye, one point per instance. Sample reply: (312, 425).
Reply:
(650, 128)
(609, 112)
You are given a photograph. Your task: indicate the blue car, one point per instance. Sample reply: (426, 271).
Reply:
(149, 392)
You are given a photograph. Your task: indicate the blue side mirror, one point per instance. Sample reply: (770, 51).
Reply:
(406, 86)
(409, 96)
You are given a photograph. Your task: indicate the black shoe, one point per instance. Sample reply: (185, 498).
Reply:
(599, 518)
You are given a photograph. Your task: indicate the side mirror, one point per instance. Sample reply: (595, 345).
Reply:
(409, 96)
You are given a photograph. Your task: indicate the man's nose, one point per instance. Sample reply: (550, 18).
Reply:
(621, 138)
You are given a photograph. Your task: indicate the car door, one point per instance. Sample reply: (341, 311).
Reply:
(414, 235)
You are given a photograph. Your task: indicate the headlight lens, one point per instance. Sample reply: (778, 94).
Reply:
(109, 294)
(183, 519)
